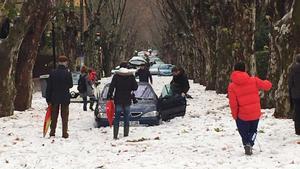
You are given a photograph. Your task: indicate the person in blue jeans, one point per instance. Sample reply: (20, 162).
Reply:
(122, 85)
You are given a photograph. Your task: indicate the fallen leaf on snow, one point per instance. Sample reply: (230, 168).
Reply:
(138, 140)
(157, 138)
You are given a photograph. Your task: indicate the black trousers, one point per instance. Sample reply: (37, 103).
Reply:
(296, 103)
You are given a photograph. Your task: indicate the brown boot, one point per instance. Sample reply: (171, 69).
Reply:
(65, 135)
(126, 131)
(52, 133)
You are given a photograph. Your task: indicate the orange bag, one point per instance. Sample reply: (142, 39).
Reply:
(110, 111)
(47, 121)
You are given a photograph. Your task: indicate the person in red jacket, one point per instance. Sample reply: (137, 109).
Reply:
(244, 102)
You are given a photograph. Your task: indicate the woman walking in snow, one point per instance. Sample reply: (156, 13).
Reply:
(244, 101)
(85, 88)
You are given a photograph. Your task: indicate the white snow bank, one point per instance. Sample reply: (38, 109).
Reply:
(205, 138)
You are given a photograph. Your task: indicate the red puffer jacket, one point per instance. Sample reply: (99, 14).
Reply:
(243, 95)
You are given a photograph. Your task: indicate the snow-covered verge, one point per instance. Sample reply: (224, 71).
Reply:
(205, 138)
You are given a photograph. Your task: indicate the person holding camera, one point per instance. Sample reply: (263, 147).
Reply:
(122, 85)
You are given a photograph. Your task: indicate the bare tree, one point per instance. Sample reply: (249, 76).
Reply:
(9, 49)
(28, 53)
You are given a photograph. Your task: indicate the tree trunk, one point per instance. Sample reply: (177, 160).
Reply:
(287, 35)
(9, 49)
(27, 56)
(204, 28)
(235, 40)
(224, 58)
(275, 10)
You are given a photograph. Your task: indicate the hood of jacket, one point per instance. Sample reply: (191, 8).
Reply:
(124, 72)
(239, 78)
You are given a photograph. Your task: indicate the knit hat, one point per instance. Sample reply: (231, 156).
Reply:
(123, 64)
(240, 67)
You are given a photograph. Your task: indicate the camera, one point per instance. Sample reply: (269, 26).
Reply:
(133, 98)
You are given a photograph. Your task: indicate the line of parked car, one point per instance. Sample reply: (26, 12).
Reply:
(157, 66)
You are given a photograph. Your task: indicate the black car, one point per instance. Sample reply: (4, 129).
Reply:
(143, 112)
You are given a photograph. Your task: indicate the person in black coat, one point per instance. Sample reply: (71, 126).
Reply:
(144, 74)
(58, 95)
(122, 85)
(294, 91)
(180, 83)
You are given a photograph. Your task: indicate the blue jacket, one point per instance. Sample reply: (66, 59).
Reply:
(58, 85)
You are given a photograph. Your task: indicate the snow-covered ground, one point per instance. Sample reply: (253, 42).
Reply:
(205, 138)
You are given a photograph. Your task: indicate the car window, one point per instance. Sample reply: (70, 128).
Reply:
(166, 91)
(104, 92)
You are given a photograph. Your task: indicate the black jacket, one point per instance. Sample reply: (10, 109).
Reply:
(58, 85)
(123, 85)
(180, 84)
(294, 81)
(144, 75)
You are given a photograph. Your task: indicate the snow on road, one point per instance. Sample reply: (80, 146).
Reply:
(205, 138)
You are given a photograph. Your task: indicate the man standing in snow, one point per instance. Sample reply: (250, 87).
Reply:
(244, 101)
(144, 74)
(294, 91)
(123, 83)
(58, 95)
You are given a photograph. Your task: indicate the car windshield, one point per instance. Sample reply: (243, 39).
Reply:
(154, 66)
(165, 66)
(152, 59)
(144, 91)
(75, 77)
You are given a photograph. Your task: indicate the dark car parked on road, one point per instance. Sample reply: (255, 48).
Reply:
(143, 112)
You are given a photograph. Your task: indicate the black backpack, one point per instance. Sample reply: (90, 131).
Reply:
(82, 84)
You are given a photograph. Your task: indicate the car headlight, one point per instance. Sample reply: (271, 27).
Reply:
(101, 115)
(150, 114)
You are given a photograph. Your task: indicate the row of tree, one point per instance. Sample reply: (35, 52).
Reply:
(94, 29)
(207, 37)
